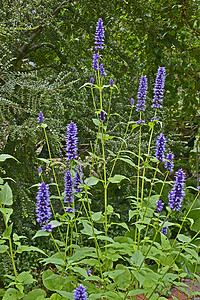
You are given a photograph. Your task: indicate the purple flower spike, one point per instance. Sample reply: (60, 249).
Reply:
(78, 180)
(101, 69)
(70, 210)
(111, 82)
(80, 293)
(68, 195)
(159, 206)
(159, 88)
(71, 147)
(142, 94)
(43, 211)
(176, 195)
(169, 165)
(95, 61)
(39, 170)
(47, 227)
(40, 117)
(160, 147)
(164, 230)
(139, 122)
(102, 116)
(99, 36)
(132, 101)
(91, 80)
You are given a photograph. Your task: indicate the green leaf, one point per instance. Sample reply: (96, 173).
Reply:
(91, 181)
(124, 279)
(140, 227)
(117, 178)
(97, 216)
(55, 223)
(128, 161)
(124, 225)
(22, 248)
(197, 277)
(137, 258)
(80, 271)
(25, 277)
(40, 233)
(66, 295)
(37, 294)
(88, 229)
(53, 282)
(82, 253)
(3, 248)
(195, 215)
(165, 243)
(96, 122)
(132, 213)
(137, 292)
(55, 259)
(6, 197)
(3, 157)
(7, 212)
(7, 232)
(183, 238)
(46, 161)
(12, 294)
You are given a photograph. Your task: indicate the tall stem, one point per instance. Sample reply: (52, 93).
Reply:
(10, 245)
(138, 174)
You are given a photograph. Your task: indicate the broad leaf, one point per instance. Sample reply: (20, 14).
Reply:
(6, 197)
(37, 294)
(7, 212)
(117, 178)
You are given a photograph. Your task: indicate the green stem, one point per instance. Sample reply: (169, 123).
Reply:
(89, 216)
(10, 245)
(138, 176)
(127, 127)
(49, 151)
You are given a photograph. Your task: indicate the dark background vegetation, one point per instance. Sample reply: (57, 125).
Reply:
(46, 56)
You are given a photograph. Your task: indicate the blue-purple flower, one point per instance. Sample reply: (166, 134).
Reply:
(39, 170)
(164, 230)
(111, 82)
(159, 88)
(80, 293)
(91, 80)
(159, 206)
(139, 122)
(132, 101)
(142, 94)
(102, 115)
(154, 119)
(101, 69)
(177, 193)
(169, 165)
(43, 210)
(40, 117)
(160, 147)
(70, 210)
(99, 36)
(68, 193)
(89, 272)
(95, 61)
(71, 143)
(78, 180)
